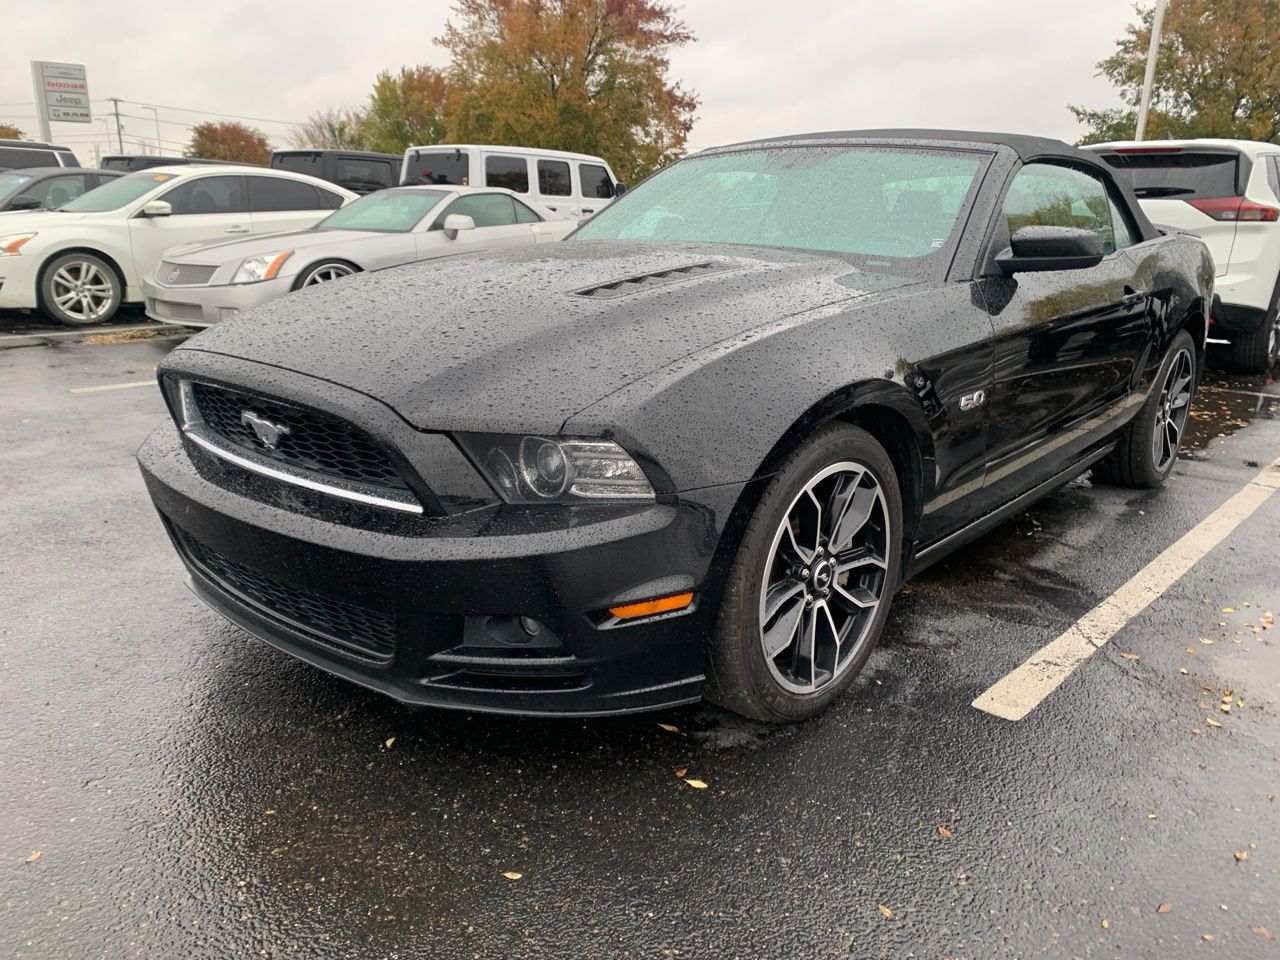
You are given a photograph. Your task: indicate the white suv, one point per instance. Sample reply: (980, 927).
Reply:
(81, 261)
(1228, 192)
(572, 185)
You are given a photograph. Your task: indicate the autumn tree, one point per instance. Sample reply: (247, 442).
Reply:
(584, 75)
(404, 110)
(228, 140)
(1217, 73)
(337, 128)
(9, 132)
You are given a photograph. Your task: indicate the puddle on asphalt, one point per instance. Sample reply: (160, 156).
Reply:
(1224, 404)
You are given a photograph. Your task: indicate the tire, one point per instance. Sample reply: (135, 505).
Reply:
(80, 289)
(751, 671)
(323, 272)
(1135, 461)
(1258, 350)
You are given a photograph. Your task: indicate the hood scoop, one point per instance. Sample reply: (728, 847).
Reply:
(645, 281)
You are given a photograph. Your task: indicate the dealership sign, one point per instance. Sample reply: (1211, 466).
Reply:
(62, 92)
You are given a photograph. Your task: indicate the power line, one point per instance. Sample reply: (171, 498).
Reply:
(210, 113)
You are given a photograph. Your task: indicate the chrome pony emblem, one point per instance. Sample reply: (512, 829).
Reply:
(174, 274)
(269, 433)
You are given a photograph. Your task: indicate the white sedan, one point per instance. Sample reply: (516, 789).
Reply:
(80, 262)
(200, 285)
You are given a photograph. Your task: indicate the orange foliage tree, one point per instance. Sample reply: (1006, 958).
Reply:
(228, 140)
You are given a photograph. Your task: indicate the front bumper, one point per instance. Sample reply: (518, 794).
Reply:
(18, 283)
(205, 305)
(445, 606)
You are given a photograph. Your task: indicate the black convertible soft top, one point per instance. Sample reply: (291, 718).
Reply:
(1027, 148)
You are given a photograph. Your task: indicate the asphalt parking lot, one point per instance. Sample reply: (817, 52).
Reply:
(172, 788)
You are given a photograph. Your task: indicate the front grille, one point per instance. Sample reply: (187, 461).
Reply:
(315, 442)
(183, 274)
(347, 626)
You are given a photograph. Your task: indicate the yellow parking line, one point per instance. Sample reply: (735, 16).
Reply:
(113, 386)
(1018, 693)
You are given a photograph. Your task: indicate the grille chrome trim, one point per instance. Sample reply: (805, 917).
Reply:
(194, 428)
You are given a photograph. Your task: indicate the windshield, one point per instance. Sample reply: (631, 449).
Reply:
(388, 211)
(11, 183)
(117, 193)
(895, 203)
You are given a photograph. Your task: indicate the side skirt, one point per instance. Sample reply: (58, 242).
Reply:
(967, 534)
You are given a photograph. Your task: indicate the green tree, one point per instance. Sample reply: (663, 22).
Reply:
(1217, 73)
(9, 132)
(404, 110)
(336, 128)
(583, 75)
(228, 140)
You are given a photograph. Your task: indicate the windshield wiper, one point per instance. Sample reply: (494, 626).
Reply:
(1161, 191)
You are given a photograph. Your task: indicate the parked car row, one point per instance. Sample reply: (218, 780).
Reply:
(82, 248)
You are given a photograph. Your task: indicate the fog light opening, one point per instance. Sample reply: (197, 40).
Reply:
(530, 626)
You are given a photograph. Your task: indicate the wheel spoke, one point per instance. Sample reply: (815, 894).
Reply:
(779, 593)
(860, 603)
(802, 662)
(782, 633)
(856, 515)
(860, 557)
(789, 542)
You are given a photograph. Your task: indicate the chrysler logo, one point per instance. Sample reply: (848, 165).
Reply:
(269, 433)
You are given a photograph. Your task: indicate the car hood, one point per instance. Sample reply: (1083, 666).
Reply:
(521, 339)
(21, 221)
(214, 253)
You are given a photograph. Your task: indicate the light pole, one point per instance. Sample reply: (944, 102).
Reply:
(159, 148)
(1153, 51)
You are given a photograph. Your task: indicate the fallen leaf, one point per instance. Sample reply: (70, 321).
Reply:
(1228, 609)
(696, 784)
(33, 857)
(390, 741)
(681, 772)
(1209, 937)
(1212, 722)
(1151, 815)
(944, 833)
(1183, 670)
(1242, 855)
(1164, 908)
(513, 875)
(1224, 707)
(670, 728)
(884, 910)
(1191, 649)
(1105, 923)
(1195, 731)
(1130, 656)
(1263, 932)
(1206, 641)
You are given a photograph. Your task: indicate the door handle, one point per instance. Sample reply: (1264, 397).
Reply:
(236, 229)
(588, 210)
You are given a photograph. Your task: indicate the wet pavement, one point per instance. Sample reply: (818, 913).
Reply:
(192, 793)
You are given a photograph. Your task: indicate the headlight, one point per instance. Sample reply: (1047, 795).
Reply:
(553, 470)
(265, 267)
(11, 245)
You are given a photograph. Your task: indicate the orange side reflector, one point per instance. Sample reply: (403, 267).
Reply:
(648, 608)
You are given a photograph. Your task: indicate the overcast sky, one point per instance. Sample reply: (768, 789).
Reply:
(759, 67)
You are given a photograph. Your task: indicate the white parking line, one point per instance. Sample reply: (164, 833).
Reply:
(1018, 693)
(113, 386)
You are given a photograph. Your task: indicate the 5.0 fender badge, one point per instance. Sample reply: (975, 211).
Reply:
(972, 401)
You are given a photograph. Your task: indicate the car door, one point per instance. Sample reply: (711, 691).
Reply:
(278, 204)
(595, 188)
(555, 188)
(500, 222)
(1067, 342)
(202, 208)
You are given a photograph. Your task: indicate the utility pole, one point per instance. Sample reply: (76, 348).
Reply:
(115, 103)
(1153, 51)
(159, 146)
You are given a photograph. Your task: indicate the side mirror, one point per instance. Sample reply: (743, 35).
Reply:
(455, 222)
(619, 189)
(157, 208)
(1050, 248)
(25, 202)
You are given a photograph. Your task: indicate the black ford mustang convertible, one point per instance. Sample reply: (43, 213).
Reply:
(694, 449)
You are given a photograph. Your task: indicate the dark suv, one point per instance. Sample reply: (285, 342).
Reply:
(357, 170)
(19, 154)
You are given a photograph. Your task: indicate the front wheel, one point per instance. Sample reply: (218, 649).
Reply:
(324, 272)
(80, 289)
(1148, 447)
(809, 591)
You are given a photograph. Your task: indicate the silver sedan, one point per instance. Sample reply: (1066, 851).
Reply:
(201, 284)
